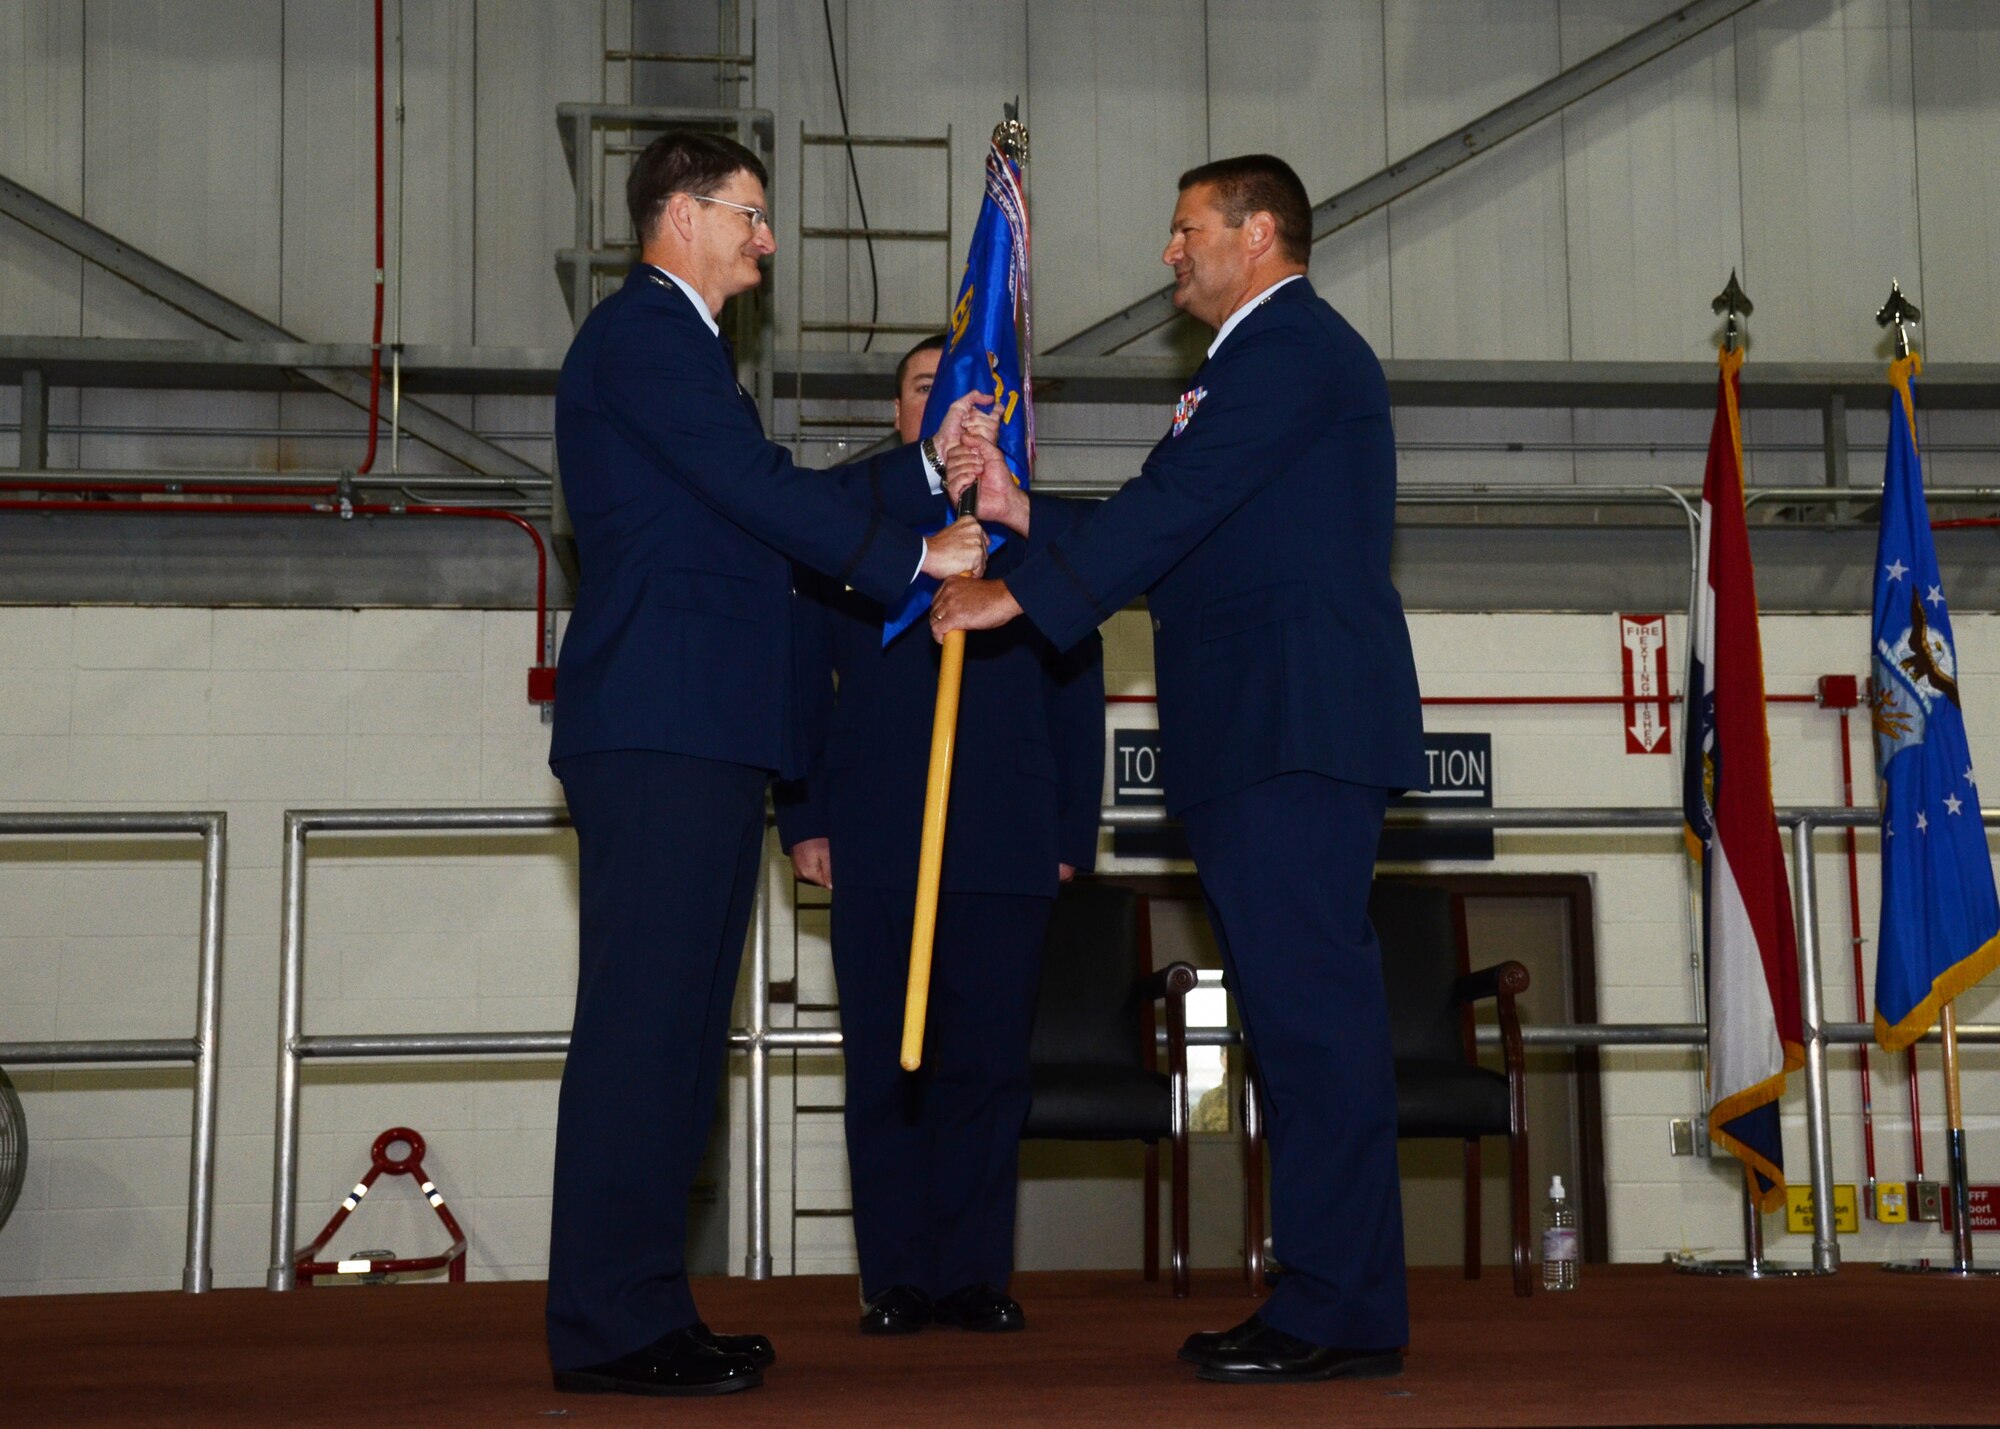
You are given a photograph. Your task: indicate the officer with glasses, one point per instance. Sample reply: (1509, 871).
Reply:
(674, 707)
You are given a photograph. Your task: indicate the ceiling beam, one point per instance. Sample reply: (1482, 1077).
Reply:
(211, 309)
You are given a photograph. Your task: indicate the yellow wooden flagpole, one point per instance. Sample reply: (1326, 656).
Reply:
(1012, 135)
(930, 859)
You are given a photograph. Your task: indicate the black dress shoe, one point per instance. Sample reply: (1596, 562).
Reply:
(1270, 1356)
(754, 1348)
(899, 1310)
(981, 1307)
(679, 1362)
(1197, 1347)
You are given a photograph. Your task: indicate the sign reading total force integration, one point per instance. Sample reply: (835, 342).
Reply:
(1461, 771)
(1135, 781)
(1461, 777)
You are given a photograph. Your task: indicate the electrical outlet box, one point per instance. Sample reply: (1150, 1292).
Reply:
(1926, 1201)
(1680, 1136)
(1799, 1209)
(1892, 1203)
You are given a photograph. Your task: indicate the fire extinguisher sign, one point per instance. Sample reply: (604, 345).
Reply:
(1643, 642)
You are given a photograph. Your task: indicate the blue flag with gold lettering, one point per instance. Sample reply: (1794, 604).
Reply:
(1940, 930)
(988, 344)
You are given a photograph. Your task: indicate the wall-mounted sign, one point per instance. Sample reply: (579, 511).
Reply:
(1461, 772)
(1135, 782)
(1461, 777)
(1643, 654)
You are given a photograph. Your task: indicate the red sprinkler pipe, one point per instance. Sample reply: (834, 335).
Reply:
(1521, 699)
(300, 508)
(87, 495)
(375, 342)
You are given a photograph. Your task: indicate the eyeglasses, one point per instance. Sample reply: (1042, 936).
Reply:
(758, 218)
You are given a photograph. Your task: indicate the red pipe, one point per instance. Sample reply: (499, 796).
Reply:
(290, 508)
(88, 495)
(1523, 699)
(375, 343)
(543, 655)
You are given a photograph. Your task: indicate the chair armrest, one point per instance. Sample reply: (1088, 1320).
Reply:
(1173, 980)
(1503, 980)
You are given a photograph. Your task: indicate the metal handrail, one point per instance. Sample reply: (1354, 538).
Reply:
(197, 1275)
(760, 1039)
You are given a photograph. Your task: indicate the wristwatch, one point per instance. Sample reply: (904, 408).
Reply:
(929, 448)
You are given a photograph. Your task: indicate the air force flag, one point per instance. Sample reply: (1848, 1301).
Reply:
(984, 349)
(1940, 929)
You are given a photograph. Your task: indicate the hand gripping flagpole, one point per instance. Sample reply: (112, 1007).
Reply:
(1899, 312)
(1012, 137)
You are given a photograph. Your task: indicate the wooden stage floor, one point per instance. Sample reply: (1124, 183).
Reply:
(1635, 1345)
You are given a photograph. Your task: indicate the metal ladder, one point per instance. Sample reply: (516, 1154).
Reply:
(840, 427)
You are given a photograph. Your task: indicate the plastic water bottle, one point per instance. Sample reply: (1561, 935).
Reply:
(1558, 1240)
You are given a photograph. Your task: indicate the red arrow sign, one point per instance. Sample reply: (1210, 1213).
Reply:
(1644, 642)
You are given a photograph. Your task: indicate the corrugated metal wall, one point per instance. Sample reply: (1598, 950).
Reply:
(1819, 145)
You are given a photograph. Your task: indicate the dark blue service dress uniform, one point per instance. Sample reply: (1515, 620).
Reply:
(933, 1156)
(1259, 529)
(674, 706)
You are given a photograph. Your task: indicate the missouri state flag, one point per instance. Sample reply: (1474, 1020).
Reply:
(988, 343)
(1752, 962)
(1940, 929)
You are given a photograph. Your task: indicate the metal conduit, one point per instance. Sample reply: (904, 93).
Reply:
(200, 1050)
(760, 1039)
(258, 482)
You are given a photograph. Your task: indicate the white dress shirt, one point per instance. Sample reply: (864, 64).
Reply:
(1229, 324)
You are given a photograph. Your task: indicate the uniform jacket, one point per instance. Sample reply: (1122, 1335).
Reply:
(686, 519)
(1027, 776)
(1260, 531)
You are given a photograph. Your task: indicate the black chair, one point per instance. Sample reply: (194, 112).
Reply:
(1441, 1090)
(1093, 1054)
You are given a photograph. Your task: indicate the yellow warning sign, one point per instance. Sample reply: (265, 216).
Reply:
(1799, 1209)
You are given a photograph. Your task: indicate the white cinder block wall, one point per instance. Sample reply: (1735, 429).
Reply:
(253, 712)
(256, 711)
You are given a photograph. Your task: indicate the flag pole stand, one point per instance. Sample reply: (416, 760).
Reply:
(1961, 1263)
(1753, 1265)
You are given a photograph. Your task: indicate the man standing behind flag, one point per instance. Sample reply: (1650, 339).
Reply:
(1752, 960)
(1260, 528)
(1940, 930)
(933, 1155)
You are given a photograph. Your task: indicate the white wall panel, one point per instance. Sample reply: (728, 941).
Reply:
(1306, 83)
(1829, 172)
(1651, 187)
(1119, 112)
(531, 57)
(1957, 106)
(183, 118)
(915, 71)
(41, 146)
(1478, 258)
(329, 170)
(795, 82)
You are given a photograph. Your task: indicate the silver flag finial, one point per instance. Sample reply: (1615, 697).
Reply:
(1732, 302)
(1900, 313)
